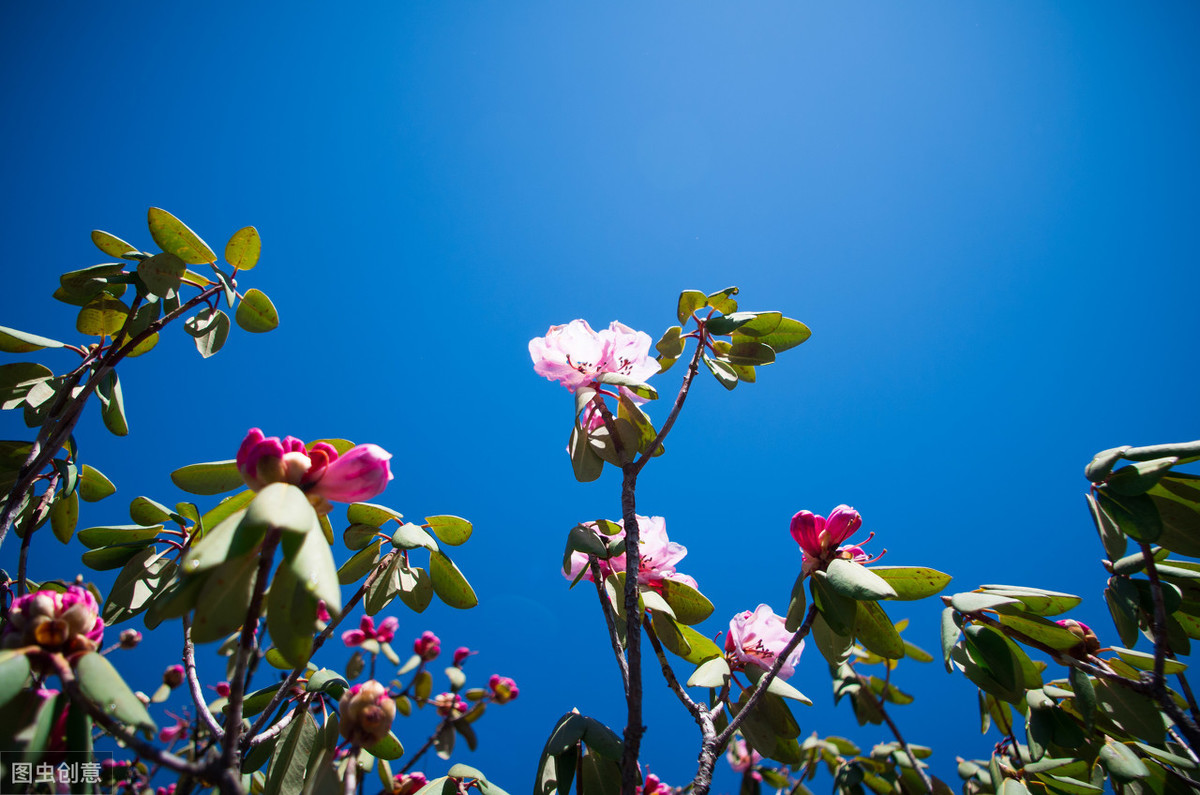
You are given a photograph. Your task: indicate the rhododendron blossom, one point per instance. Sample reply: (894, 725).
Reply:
(408, 783)
(366, 712)
(1088, 642)
(368, 631)
(460, 656)
(428, 646)
(819, 538)
(60, 622)
(449, 705)
(360, 474)
(758, 639)
(575, 355)
(742, 757)
(658, 556)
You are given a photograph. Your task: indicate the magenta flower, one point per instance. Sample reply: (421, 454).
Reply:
(323, 611)
(575, 355)
(408, 783)
(503, 689)
(757, 639)
(368, 631)
(428, 646)
(60, 622)
(460, 656)
(658, 554)
(173, 676)
(819, 538)
(360, 474)
(366, 712)
(179, 731)
(653, 785)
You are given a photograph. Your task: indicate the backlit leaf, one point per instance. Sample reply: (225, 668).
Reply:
(174, 236)
(243, 248)
(256, 313)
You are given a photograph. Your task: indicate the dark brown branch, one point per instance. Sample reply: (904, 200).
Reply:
(611, 621)
(633, 635)
(925, 780)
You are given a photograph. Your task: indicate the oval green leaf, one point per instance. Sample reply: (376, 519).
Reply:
(243, 248)
(449, 583)
(256, 313)
(174, 237)
(215, 477)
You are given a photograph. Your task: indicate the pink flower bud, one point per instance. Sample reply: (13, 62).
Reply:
(130, 638)
(367, 712)
(408, 783)
(222, 689)
(504, 689)
(360, 474)
(460, 655)
(428, 646)
(449, 705)
(173, 676)
(387, 629)
(1089, 644)
(323, 612)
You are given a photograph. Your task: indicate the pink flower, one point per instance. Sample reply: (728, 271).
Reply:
(449, 705)
(360, 474)
(575, 355)
(222, 689)
(323, 612)
(366, 712)
(819, 538)
(172, 733)
(503, 689)
(757, 639)
(653, 786)
(1089, 644)
(742, 758)
(428, 646)
(408, 783)
(60, 622)
(658, 556)
(173, 676)
(368, 631)
(130, 638)
(460, 655)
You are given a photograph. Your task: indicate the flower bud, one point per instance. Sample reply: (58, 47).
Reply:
(408, 783)
(360, 474)
(449, 705)
(173, 676)
(68, 623)
(1089, 644)
(428, 646)
(460, 655)
(504, 689)
(130, 638)
(366, 713)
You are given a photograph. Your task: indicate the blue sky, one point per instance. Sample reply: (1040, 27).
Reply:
(984, 211)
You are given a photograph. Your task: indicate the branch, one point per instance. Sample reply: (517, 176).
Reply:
(611, 621)
(428, 744)
(633, 634)
(693, 368)
(189, 667)
(1158, 622)
(866, 687)
(737, 720)
(672, 681)
(237, 686)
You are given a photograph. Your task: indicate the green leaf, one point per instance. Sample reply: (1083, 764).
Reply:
(452, 530)
(797, 606)
(224, 598)
(162, 273)
(291, 617)
(315, 571)
(13, 341)
(215, 477)
(412, 536)
(689, 605)
(388, 747)
(143, 577)
(855, 581)
(670, 346)
(256, 313)
(416, 587)
(749, 354)
(876, 632)
(722, 301)
(1034, 600)
(96, 537)
(912, 582)
(839, 611)
(585, 463)
(760, 324)
(360, 563)
(285, 775)
(327, 681)
(214, 546)
(992, 654)
(101, 683)
(243, 248)
(689, 302)
(112, 404)
(788, 334)
(1041, 630)
(173, 236)
(1145, 662)
(632, 384)
(777, 686)
(209, 329)
(724, 374)
(449, 583)
(146, 512)
(1136, 516)
(64, 514)
(111, 245)
(1139, 477)
(374, 515)
(281, 506)
(103, 316)
(973, 601)
(1121, 762)
(14, 672)
(711, 673)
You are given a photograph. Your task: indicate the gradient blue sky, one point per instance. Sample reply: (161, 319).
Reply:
(984, 211)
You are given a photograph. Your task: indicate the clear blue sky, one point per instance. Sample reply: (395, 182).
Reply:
(984, 211)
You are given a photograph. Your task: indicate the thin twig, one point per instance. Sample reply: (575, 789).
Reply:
(428, 744)
(668, 674)
(610, 620)
(669, 422)
(1158, 622)
(925, 780)
(189, 668)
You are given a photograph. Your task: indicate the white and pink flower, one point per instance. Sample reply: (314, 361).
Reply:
(67, 622)
(575, 355)
(758, 638)
(366, 713)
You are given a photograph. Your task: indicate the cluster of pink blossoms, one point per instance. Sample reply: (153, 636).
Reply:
(68, 623)
(368, 631)
(325, 476)
(366, 711)
(428, 646)
(658, 556)
(757, 638)
(743, 758)
(575, 355)
(503, 689)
